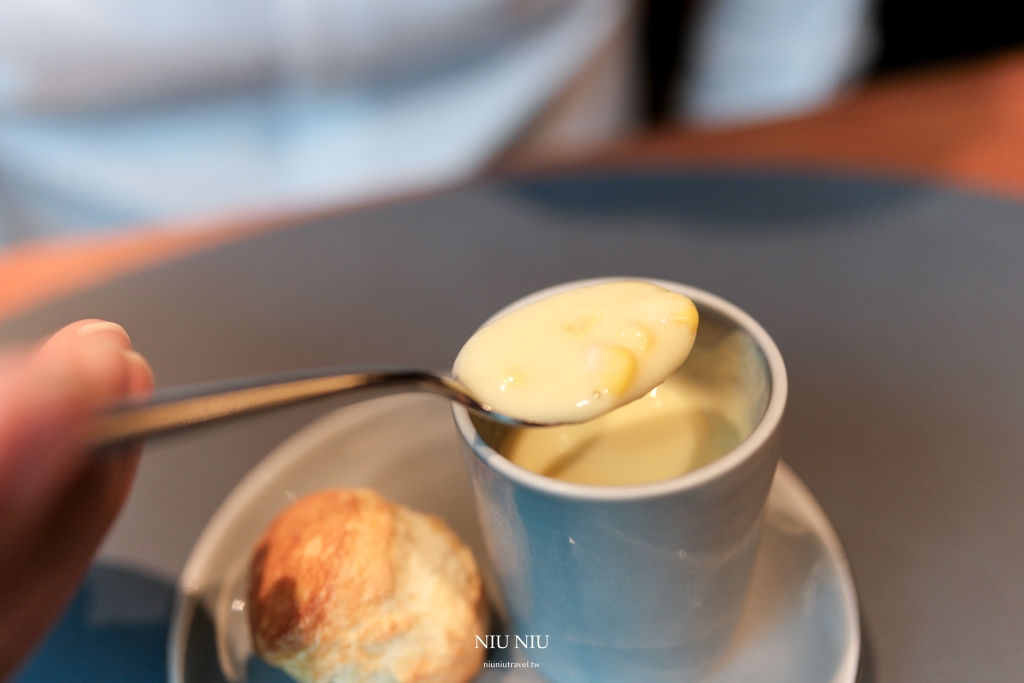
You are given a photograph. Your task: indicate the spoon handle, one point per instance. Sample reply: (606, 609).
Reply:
(187, 407)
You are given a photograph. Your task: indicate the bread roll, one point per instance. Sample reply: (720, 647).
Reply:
(346, 586)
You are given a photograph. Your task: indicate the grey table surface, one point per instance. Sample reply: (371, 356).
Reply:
(899, 309)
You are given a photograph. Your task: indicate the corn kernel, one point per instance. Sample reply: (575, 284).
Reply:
(667, 307)
(611, 368)
(583, 320)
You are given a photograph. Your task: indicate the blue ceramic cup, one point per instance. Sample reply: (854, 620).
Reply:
(637, 583)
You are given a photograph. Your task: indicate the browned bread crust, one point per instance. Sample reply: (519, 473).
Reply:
(345, 584)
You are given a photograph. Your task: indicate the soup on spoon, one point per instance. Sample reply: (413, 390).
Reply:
(578, 354)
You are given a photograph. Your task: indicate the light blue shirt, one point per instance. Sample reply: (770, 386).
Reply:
(116, 112)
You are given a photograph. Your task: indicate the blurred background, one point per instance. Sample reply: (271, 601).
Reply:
(117, 113)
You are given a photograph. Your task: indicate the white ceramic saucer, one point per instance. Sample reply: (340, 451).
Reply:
(800, 622)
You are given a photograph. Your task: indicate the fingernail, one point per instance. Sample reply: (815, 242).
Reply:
(93, 329)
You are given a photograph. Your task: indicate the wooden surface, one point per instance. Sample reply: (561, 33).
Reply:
(961, 125)
(37, 271)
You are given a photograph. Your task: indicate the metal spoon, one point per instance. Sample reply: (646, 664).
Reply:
(186, 407)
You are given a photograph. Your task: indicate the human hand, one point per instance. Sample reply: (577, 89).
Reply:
(57, 500)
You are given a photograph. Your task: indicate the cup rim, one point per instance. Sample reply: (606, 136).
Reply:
(765, 429)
